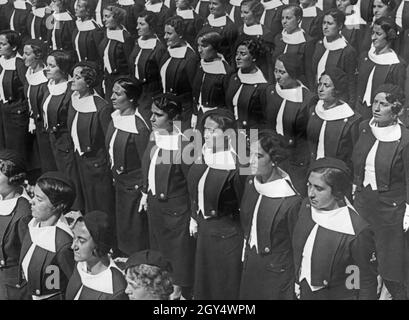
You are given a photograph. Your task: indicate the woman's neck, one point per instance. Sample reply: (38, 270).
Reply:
(11, 193)
(85, 93)
(293, 30)
(38, 66)
(273, 174)
(179, 44)
(386, 124)
(60, 80)
(291, 85)
(307, 5)
(98, 265)
(211, 59)
(329, 104)
(333, 38)
(51, 221)
(385, 49)
(251, 69)
(218, 15)
(127, 112)
(11, 56)
(148, 36)
(85, 18)
(115, 28)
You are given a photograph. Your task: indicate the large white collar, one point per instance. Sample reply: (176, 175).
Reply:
(126, 2)
(279, 188)
(268, 5)
(213, 67)
(8, 64)
(385, 134)
(342, 111)
(383, 59)
(309, 12)
(148, 43)
(35, 78)
(38, 12)
(86, 25)
(217, 22)
(101, 282)
(236, 3)
(57, 89)
(117, 35)
(8, 206)
(354, 19)
(251, 78)
(126, 123)
(293, 95)
(83, 105)
(3, 2)
(254, 30)
(44, 237)
(62, 16)
(19, 4)
(153, 7)
(296, 37)
(178, 52)
(340, 43)
(185, 14)
(223, 160)
(167, 141)
(338, 220)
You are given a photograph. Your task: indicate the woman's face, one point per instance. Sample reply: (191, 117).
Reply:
(244, 59)
(342, 5)
(171, 37)
(81, 9)
(5, 48)
(41, 206)
(83, 245)
(160, 120)
(217, 8)
(378, 37)
(108, 19)
(78, 81)
(135, 289)
(247, 16)
(52, 71)
(4, 184)
(330, 28)
(29, 56)
(380, 9)
(260, 162)
(326, 88)
(182, 4)
(282, 76)
(57, 5)
(143, 28)
(320, 193)
(289, 20)
(206, 51)
(382, 110)
(213, 135)
(120, 100)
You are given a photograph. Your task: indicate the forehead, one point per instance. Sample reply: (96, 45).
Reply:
(210, 123)
(317, 179)
(39, 193)
(255, 147)
(81, 231)
(280, 65)
(243, 49)
(156, 110)
(378, 28)
(107, 12)
(3, 38)
(325, 79)
(141, 19)
(329, 18)
(288, 12)
(28, 49)
(169, 28)
(77, 70)
(51, 60)
(117, 88)
(379, 3)
(381, 97)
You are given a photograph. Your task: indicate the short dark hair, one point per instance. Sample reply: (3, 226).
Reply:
(394, 95)
(297, 10)
(169, 104)
(14, 173)
(133, 88)
(338, 180)
(118, 13)
(389, 27)
(254, 46)
(212, 38)
(63, 60)
(89, 72)
(255, 7)
(100, 249)
(60, 194)
(224, 121)
(90, 6)
(150, 18)
(13, 38)
(39, 48)
(391, 4)
(273, 144)
(177, 23)
(338, 16)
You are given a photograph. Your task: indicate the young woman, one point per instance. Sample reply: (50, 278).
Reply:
(193, 22)
(95, 276)
(37, 20)
(268, 212)
(59, 36)
(126, 139)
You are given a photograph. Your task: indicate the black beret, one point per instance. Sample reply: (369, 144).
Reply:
(149, 257)
(98, 225)
(329, 162)
(15, 157)
(338, 78)
(56, 175)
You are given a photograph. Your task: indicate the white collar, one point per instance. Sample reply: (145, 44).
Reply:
(340, 43)
(385, 134)
(126, 2)
(338, 220)
(35, 78)
(117, 35)
(271, 4)
(309, 12)
(251, 78)
(293, 94)
(86, 25)
(236, 3)
(147, 44)
(39, 12)
(342, 111)
(44, 237)
(185, 14)
(383, 59)
(19, 4)
(217, 22)
(57, 89)
(354, 19)
(167, 141)
(8, 64)
(279, 188)
(178, 52)
(83, 105)
(3, 2)
(101, 282)
(153, 7)
(62, 16)
(296, 37)
(213, 67)
(254, 30)
(222, 160)
(7, 206)
(125, 123)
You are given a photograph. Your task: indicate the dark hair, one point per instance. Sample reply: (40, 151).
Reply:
(297, 10)
(90, 7)
(14, 173)
(224, 121)
(169, 104)
(42, 3)
(391, 4)
(178, 24)
(292, 64)
(60, 194)
(224, 2)
(389, 27)
(118, 13)
(133, 89)
(255, 7)
(254, 46)
(66, 4)
(63, 60)
(89, 72)
(353, 2)
(13, 38)
(394, 95)
(273, 144)
(338, 180)
(39, 48)
(150, 18)
(101, 250)
(212, 38)
(338, 16)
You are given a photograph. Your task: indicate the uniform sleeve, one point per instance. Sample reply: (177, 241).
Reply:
(142, 142)
(191, 67)
(65, 260)
(105, 117)
(405, 159)
(350, 69)
(292, 216)
(21, 73)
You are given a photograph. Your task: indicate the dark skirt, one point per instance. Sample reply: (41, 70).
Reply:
(8, 277)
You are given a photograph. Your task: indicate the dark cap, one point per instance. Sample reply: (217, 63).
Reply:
(292, 64)
(338, 78)
(329, 162)
(56, 175)
(15, 157)
(98, 225)
(149, 257)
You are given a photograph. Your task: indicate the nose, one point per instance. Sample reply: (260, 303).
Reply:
(73, 246)
(128, 290)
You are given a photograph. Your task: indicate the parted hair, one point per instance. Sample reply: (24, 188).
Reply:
(13, 38)
(60, 194)
(133, 89)
(63, 60)
(177, 23)
(338, 180)
(389, 27)
(14, 174)
(297, 10)
(338, 16)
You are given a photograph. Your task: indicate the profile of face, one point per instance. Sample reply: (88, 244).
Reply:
(78, 82)
(52, 71)
(320, 193)
(213, 135)
(382, 110)
(6, 50)
(247, 16)
(326, 89)
(182, 4)
(83, 245)
(344, 6)
(206, 51)
(57, 5)
(143, 28)
(135, 289)
(5, 187)
(160, 120)
(81, 9)
(380, 9)
(41, 207)
(378, 38)
(120, 100)
(289, 20)
(330, 28)
(217, 8)
(171, 37)
(260, 161)
(282, 77)
(108, 19)
(244, 60)
(29, 57)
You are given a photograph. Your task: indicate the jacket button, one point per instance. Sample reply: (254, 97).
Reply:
(18, 111)
(363, 130)
(121, 168)
(162, 196)
(2, 262)
(54, 128)
(88, 148)
(345, 120)
(136, 187)
(175, 213)
(325, 282)
(267, 249)
(308, 205)
(250, 181)
(313, 113)
(212, 212)
(96, 165)
(291, 141)
(18, 286)
(244, 123)
(171, 90)
(394, 204)
(38, 292)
